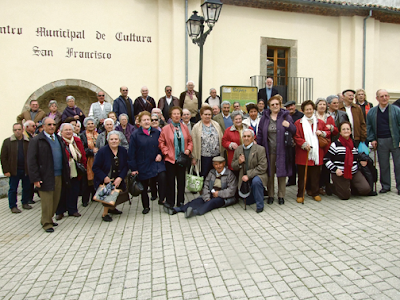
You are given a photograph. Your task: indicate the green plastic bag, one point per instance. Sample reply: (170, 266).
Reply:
(194, 183)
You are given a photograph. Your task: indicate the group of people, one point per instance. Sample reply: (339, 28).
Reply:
(237, 153)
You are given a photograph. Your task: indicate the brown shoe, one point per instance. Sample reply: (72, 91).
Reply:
(317, 198)
(59, 217)
(75, 215)
(322, 192)
(15, 210)
(26, 206)
(309, 193)
(300, 199)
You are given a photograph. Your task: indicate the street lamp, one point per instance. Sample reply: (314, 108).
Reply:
(195, 27)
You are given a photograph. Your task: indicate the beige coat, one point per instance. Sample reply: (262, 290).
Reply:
(26, 115)
(196, 136)
(257, 163)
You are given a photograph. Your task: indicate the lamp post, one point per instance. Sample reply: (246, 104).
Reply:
(195, 27)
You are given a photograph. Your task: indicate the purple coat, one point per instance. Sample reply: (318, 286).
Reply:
(128, 132)
(283, 168)
(71, 112)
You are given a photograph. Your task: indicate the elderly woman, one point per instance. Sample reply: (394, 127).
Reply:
(341, 160)
(322, 114)
(125, 127)
(155, 122)
(111, 165)
(112, 115)
(254, 119)
(261, 107)
(190, 99)
(175, 139)
(308, 151)
(207, 136)
(54, 113)
(89, 137)
(77, 127)
(232, 137)
(145, 159)
(72, 111)
(75, 154)
(108, 127)
(275, 124)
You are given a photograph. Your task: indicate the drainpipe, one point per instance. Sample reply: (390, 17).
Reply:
(365, 47)
(186, 45)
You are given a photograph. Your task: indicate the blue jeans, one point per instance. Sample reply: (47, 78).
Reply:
(200, 207)
(26, 189)
(257, 191)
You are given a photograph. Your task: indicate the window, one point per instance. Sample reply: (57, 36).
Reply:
(277, 65)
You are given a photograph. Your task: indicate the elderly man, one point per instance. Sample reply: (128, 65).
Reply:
(158, 112)
(356, 117)
(383, 124)
(48, 169)
(14, 163)
(218, 191)
(34, 113)
(268, 91)
(108, 127)
(124, 105)
(144, 102)
(338, 115)
(99, 110)
(29, 129)
(214, 99)
(224, 118)
(250, 160)
(186, 116)
(167, 102)
(215, 110)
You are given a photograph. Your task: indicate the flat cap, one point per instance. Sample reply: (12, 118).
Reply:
(218, 159)
(349, 90)
(289, 103)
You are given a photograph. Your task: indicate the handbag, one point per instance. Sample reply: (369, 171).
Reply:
(363, 148)
(135, 187)
(194, 183)
(322, 141)
(106, 194)
(80, 168)
(183, 160)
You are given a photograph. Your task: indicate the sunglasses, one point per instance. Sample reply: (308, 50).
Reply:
(154, 120)
(100, 96)
(168, 90)
(124, 90)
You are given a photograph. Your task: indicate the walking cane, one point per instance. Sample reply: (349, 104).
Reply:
(305, 177)
(375, 166)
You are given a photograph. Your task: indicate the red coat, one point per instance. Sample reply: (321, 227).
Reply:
(231, 136)
(301, 155)
(166, 141)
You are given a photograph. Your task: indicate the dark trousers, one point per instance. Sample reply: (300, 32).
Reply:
(178, 172)
(325, 178)
(200, 207)
(153, 187)
(161, 179)
(313, 173)
(87, 190)
(344, 186)
(292, 179)
(26, 189)
(206, 165)
(385, 147)
(69, 198)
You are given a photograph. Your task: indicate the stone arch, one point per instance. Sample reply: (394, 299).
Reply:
(83, 91)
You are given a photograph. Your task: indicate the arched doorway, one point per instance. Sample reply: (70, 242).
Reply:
(85, 94)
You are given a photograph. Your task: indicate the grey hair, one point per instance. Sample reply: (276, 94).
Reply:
(70, 97)
(236, 113)
(123, 115)
(225, 103)
(185, 109)
(26, 124)
(155, 115)
(108, 119)
(53, 102)
(44, 120)
(319, 100)
(111, 133)
(87, 119)
(236, 102)
(212, 89)
(330, 98)
(66, 124)
(156, 109)
(250, 130)
(190, 81)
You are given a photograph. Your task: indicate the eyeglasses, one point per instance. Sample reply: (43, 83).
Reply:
(51, 124)
(116, 161)
(275, 104)
(154, 120)
(100, 95)
(124, 90)
(168, 90)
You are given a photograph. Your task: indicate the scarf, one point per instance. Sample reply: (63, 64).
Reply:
(324, 116)
(75, 155)
(91, 141)
(179, 147)
(190, 93)
(348, 161)
(146, 131)
(311, 138)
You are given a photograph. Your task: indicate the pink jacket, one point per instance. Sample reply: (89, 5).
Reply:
(166, 142)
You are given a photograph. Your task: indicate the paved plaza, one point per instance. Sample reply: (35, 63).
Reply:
(329, 250)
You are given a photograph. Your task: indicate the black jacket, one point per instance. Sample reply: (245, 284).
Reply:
(262, 94)
(40, 162)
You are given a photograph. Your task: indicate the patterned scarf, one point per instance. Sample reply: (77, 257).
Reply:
(91, 140)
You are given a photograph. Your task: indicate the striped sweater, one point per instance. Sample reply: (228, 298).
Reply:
(334, 158)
